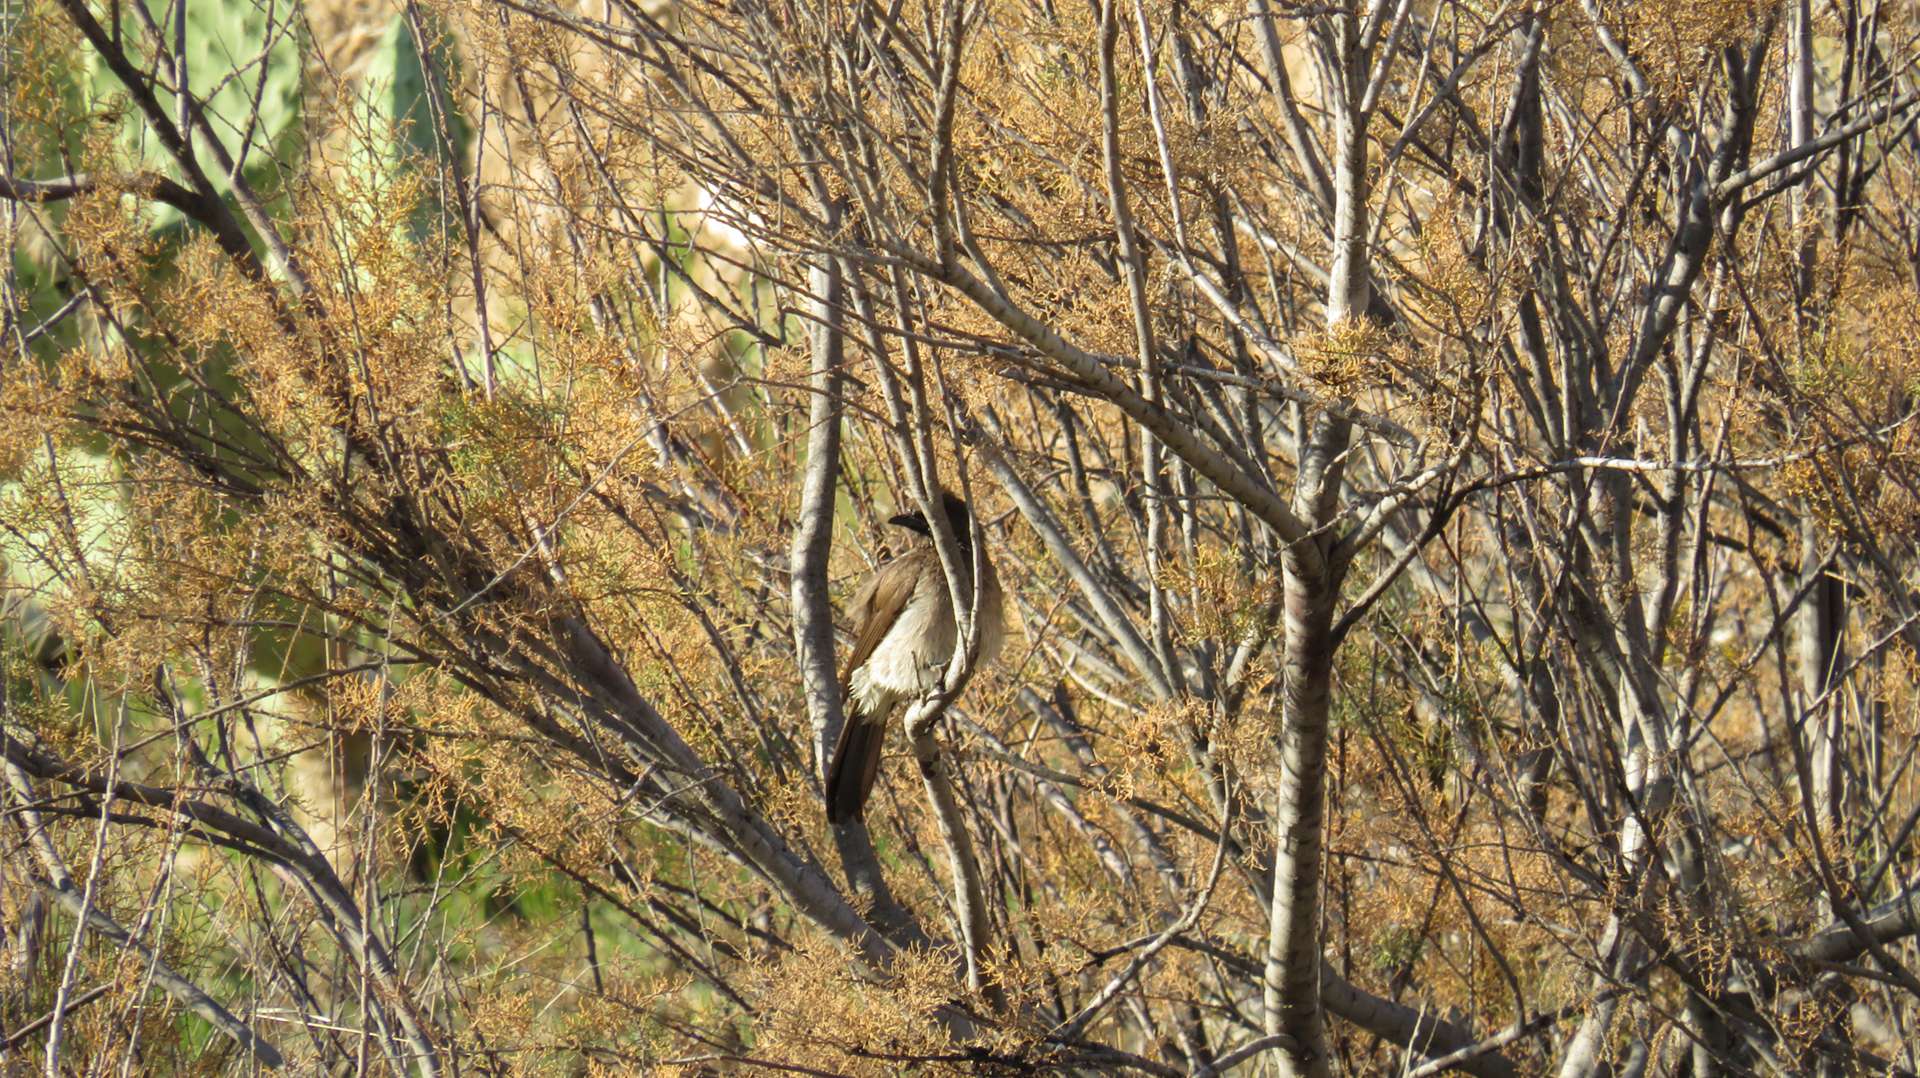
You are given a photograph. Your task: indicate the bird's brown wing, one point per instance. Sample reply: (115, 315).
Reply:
(878, 605)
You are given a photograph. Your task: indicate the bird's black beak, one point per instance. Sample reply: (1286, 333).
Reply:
(912, 522)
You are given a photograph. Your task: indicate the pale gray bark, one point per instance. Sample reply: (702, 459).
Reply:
(813, 526)
(1292, 982)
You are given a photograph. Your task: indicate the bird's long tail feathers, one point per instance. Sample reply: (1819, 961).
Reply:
(855, 763)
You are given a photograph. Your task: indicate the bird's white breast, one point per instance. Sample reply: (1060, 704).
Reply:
(911, 657)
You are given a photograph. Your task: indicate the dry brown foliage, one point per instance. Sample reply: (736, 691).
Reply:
(1453, 465)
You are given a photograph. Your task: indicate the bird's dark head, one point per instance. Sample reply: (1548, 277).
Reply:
(957, 519)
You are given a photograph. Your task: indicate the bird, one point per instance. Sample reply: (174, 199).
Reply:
(904, 636)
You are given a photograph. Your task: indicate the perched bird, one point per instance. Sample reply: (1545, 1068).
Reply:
(904, 635)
